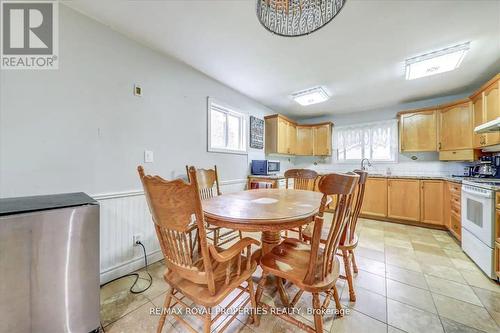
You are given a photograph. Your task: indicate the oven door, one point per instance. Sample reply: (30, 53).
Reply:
(273, 166)
(478, 213)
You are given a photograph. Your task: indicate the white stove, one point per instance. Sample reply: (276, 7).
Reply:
(486, 183)
(478, 221)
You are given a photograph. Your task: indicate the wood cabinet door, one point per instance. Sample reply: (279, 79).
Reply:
(492, 111)
(282, 147)
(455, 127)
(419, 131)
(403, 199)
(431, 201)
(491, 102)
(478, 119)
(446, 205)
(322, 140)
(292, 138)
(304, 144)
(375, 198)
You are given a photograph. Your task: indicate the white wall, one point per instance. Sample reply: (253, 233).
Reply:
(425, 164)
(80, 128)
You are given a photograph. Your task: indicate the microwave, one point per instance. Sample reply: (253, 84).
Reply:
(265, 167)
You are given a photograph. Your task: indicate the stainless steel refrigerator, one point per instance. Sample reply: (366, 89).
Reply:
(49, 264)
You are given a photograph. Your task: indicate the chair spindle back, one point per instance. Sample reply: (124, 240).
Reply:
(303, 179)
(174, 206)
(208, 182)
(342, 187)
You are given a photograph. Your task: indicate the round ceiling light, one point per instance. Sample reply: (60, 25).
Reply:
(292, 18)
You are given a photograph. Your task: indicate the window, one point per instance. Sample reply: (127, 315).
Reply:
(376, 141)
(226, 129)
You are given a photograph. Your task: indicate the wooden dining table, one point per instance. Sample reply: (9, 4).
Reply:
(268, 211)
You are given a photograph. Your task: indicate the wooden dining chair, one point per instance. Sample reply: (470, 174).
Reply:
(349, 239)
(303, 179)
(208, 280)
(208, 185)
(311, 267)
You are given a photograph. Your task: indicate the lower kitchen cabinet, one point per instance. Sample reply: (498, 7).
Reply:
(497, 259)
(375, 199)
(403, 199)
(431, 201)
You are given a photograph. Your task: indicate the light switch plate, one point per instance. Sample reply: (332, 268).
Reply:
(148, 156)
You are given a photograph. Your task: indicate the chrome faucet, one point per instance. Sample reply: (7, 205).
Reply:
(363, 163)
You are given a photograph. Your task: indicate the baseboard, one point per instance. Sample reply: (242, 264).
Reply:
(413, 223)
(129, 266)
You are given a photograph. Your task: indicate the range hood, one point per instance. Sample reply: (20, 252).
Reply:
(490, 126)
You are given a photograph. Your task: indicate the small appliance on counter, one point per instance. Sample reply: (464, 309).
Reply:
(49, 259)
(488, 167)
(265, 167)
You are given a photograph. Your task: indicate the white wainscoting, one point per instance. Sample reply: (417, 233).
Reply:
(124, 215)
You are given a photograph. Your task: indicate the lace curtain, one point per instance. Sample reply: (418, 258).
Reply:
(377, 141)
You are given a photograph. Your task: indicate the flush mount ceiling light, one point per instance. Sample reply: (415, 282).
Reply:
(310, 96)
(291, 18)
(441, 61)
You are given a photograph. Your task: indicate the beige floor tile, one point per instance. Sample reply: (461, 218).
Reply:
(478, 279)
(357, 322)
(367, 302)
(456, 254)
(117, 300)
(412, 278)
(444, 272)
(424, 258)
(139, 320)
(369, 253)
(465, 313)
(403, 261)
(491, 301)
(370, 265)
(452, 289)
(464, 265)
(159, 285)
(428, 249)
(392, 329)
(451, 326)
(398, 243)
(370, 281)
(411, 319)
(413, 296)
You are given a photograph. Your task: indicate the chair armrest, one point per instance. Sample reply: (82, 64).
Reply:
(233, 251)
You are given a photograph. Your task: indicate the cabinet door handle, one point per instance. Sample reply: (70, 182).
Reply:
(439, 146)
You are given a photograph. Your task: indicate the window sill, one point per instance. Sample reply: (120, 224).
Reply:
(227, 151)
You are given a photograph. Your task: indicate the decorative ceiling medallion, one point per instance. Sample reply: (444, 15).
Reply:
(292, 18)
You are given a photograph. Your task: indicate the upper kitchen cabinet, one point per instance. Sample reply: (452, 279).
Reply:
(280, 135)
(456, 131)
(305, 136)
(284, 136)
(418, 130)
(486, 107)
(323, 139)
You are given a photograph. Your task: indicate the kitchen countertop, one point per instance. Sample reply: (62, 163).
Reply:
(375, 175)
(267, 176)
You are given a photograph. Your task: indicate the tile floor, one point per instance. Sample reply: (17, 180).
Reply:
(410, 280)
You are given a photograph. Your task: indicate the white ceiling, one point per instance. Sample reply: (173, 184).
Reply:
(359, 57)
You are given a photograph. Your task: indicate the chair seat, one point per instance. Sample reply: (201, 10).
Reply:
(200, 292)
(347, 245)
(290, 260)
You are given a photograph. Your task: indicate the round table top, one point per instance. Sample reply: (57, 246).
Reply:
(262, 209)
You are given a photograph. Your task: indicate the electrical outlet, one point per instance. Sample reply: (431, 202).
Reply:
(137, 238)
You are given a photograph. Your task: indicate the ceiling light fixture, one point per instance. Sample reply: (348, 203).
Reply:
(292, 18)
(310, 96)
(441, 61)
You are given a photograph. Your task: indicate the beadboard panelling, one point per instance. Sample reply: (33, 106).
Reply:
(123, 215)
